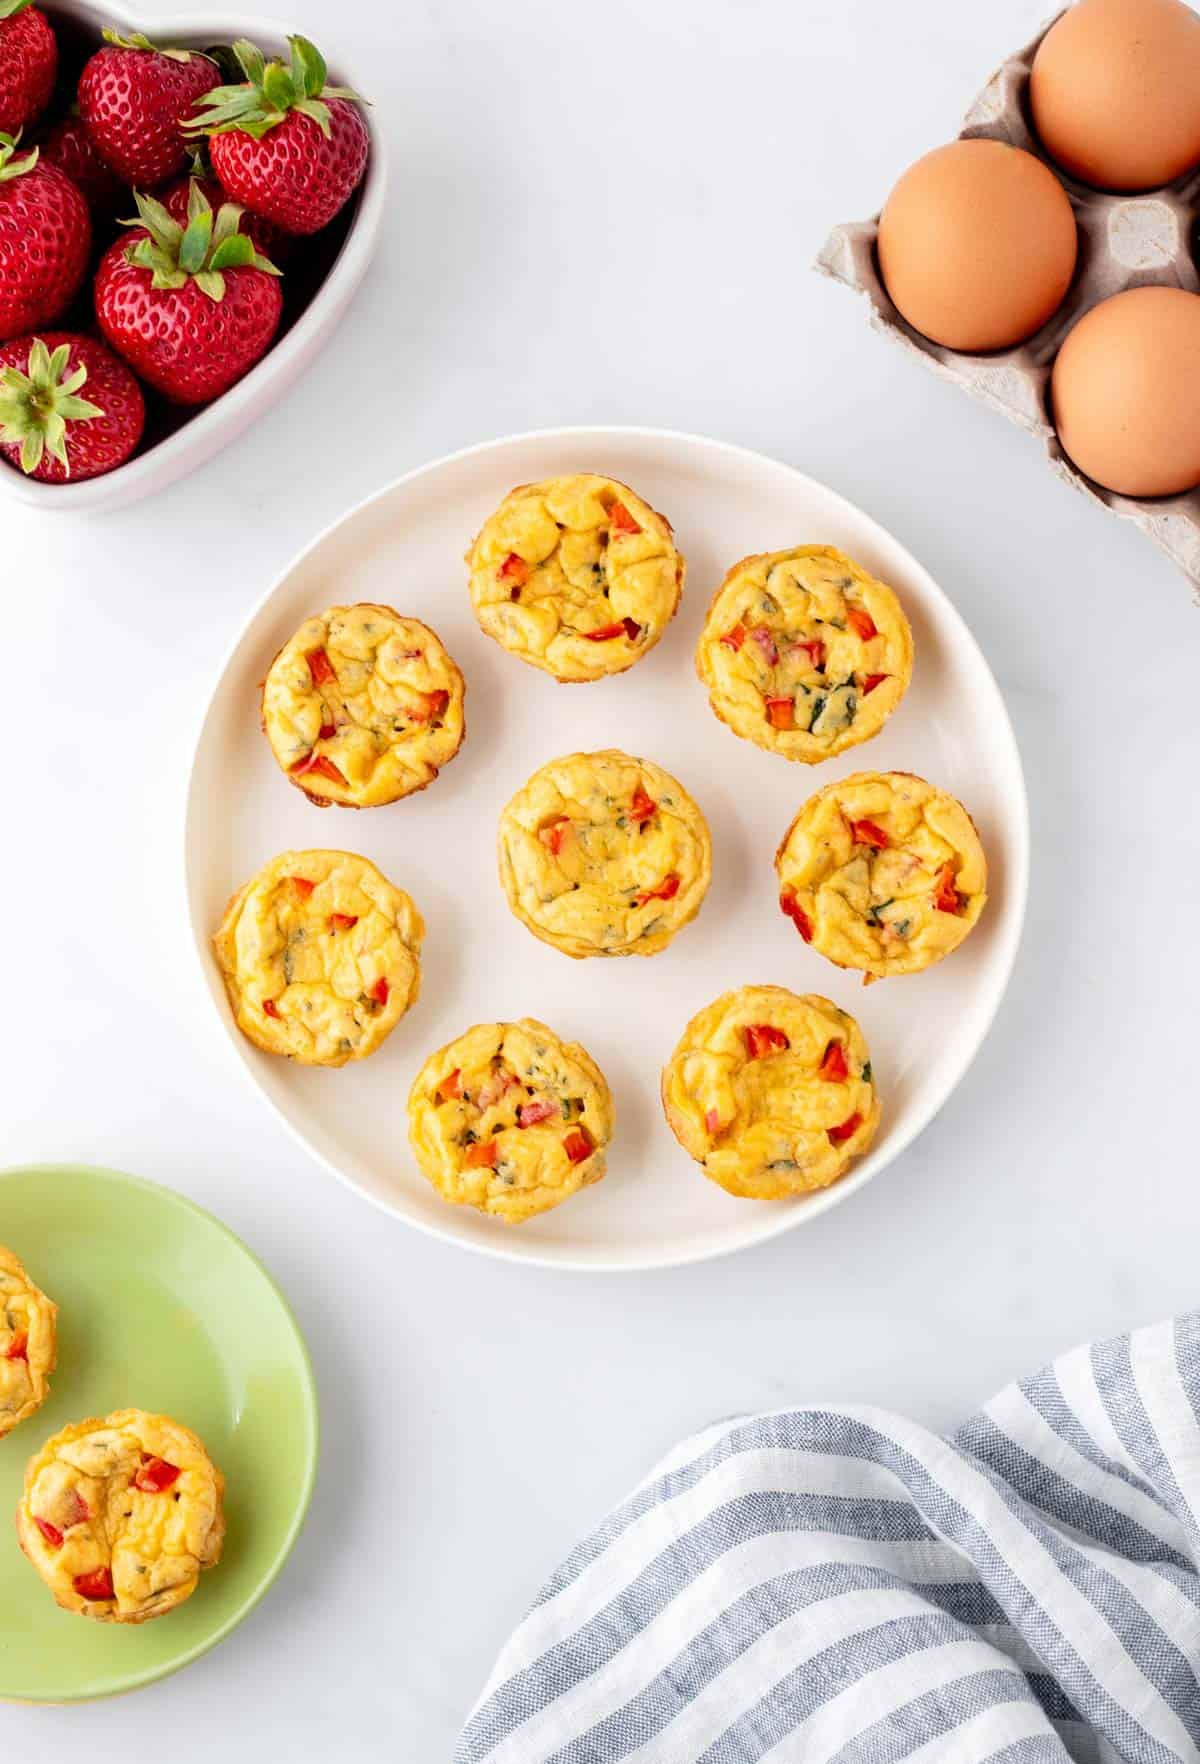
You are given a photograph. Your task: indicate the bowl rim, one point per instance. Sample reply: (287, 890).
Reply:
(642, 1260)
(215, 425)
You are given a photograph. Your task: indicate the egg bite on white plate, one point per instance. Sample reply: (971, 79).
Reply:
(882, 872)
(321, 956)
(771, 1092)
(804, 653)
(577, 576)
(603, 854)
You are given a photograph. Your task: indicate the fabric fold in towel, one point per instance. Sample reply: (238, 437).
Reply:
(838, 1584)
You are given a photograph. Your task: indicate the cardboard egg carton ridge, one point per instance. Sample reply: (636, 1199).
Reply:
(1124, 242)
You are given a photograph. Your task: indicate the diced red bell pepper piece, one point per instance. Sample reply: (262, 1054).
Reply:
(514, 569)
(317, 762)
(270, 1008)
(620, 519)
(735, 638)
(430, 706)
(796, 913)
(766, 643)
(847, 1130)
(578, 1145)
(553, 834)
(51, 1533)
(379, 992)
(97, 1584)
(947, 899)
(18, 1347)
(666, 890)
(320, 667)
(873, 680)
(530, 1113)
(712, 1121)
(155, 1475)
(482, 1155)
(763, 1039)
(781, 713)
(342, 921)
(861, 623)
(869, 833)
(833, 1067)
(622, 628)
(814, 648)
(302, 885)
(451, 1086)
(642, 807)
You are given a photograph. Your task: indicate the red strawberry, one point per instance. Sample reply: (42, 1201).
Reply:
(28, 64)
(68, 145)
(191, 309)
(46, 428)
(133, 98)
(45, 238)
(266, 238)
(285, 144)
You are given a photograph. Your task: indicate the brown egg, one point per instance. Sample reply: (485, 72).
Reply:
(977, 245)
(1126, 392)
(1115, 92)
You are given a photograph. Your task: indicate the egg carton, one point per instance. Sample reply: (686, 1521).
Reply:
(1124, 242)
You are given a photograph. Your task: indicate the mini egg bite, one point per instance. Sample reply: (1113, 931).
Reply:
(363, 706)
(882, 872)
(804, 653)
(28, 1343)
(602, 854)
(321, 957)
(578, 576)
(771, 1092)
(120, 1516)
(510, 1120)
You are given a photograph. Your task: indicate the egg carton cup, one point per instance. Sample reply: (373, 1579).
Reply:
(1124, 242)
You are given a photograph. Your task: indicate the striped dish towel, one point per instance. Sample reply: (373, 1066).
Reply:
(839, 1584)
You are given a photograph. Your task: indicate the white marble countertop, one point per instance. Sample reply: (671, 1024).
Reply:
(604, 214)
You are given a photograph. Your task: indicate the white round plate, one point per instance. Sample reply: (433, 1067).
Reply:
(405, 547)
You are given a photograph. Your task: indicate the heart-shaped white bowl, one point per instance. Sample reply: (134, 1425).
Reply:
(194, 437)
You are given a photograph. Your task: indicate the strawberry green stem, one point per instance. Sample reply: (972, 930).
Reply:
(270, 92)
(35, 407)
(199, 251)
(15, 168)
(136, 40)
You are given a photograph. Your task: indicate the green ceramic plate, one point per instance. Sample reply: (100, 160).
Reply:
(160, 1308)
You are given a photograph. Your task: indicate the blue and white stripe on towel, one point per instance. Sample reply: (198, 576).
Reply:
(839, 1584)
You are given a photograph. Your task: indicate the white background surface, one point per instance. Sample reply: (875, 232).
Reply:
(604, 214)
